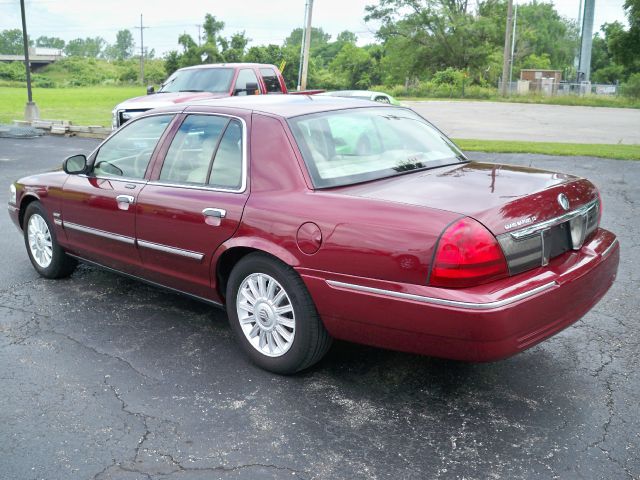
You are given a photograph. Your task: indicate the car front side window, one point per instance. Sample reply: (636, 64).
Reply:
(128, 152)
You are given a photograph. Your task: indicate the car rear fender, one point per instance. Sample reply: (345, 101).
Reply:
(231, 251)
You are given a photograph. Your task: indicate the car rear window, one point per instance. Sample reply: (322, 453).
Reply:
(271, 80)
(343, 147)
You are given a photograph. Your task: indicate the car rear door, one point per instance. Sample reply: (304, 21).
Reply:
(98, 209)
(193, 202)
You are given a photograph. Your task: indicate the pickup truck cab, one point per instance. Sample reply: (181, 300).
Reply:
(202, 82)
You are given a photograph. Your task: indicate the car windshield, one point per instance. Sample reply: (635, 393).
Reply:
(216, 80)
(343, 147)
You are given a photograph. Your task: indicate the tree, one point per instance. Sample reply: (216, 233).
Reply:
(353, 66)
(431, 35)
(50, 42)
(11, 42)
(124, 45)
(88, 47)
(234, 49)
(625, 44)
(604, 69)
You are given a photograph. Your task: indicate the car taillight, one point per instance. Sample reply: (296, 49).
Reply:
(467, 255)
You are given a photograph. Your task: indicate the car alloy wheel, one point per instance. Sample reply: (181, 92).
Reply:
(40, 242)
(266, 315)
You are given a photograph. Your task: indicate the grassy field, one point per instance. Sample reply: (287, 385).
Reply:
(570, 100)
(80, 105)
(93, 105)
(620, 152)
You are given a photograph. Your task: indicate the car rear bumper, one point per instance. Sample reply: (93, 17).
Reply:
(483, 323)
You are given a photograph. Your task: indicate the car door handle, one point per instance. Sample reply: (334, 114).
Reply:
(126, 199)
(214, 212)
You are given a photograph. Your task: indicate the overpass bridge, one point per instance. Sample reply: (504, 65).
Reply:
(38, 57)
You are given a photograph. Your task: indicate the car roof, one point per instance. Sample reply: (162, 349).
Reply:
(229, 65)
(286, 105)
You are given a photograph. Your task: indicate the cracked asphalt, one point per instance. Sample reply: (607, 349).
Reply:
(105, 378)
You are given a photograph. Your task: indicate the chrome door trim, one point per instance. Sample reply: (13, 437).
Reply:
(243, 184)
(442, 301)
(172, 250)
(100, 233)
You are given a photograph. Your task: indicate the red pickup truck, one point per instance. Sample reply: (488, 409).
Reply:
(202, 82)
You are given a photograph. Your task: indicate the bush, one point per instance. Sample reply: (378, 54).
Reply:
(42, 81)
(13, 71)
(631, 87)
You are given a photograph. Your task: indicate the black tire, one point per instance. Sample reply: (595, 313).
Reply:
(61, 264)
(310, 341)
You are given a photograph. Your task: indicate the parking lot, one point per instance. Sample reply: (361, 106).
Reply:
(102, 377)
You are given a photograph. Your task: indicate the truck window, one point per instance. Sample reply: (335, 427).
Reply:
(245, 76)
(271, 80)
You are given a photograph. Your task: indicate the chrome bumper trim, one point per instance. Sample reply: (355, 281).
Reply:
(172, 250)
(536, 229)
(100, 233)
(442, 301)
(606, 253)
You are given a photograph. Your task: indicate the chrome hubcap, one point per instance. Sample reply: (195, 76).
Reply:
(266, 314)
(40, 242)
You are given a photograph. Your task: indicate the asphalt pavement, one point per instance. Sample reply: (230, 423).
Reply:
(532, 122)
(102, 377)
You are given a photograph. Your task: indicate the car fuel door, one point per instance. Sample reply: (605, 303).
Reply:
(194, 204)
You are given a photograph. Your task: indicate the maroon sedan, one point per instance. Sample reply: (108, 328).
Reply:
(316, 218)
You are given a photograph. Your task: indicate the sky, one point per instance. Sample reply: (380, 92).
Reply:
(263, 21)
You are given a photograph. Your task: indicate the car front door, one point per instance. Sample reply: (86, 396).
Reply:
(98, 209)
(193, 203)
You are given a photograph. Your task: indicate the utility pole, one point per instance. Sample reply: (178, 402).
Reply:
(513, 43)
(142, 28)
(199, 25)
(584, 67)
(302, 45)
(31, 111)
(507, 50)
(307, 44)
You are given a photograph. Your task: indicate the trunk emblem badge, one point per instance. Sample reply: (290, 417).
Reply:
(563, 201)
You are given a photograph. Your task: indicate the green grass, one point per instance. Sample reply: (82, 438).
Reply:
(80, 105)
(621, 152)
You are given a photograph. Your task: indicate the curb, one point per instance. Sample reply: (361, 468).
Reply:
(64, 127)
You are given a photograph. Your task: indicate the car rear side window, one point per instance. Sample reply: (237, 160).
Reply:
(127, 153)
(207, 150)
(192, 149)
(271, 80)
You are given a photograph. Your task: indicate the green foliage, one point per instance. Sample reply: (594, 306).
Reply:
(87, 47)
(11, 42)
(123, 48)
(353, 67)
(13, 71)
(625, 44)
(632, 87)
(50, 42)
